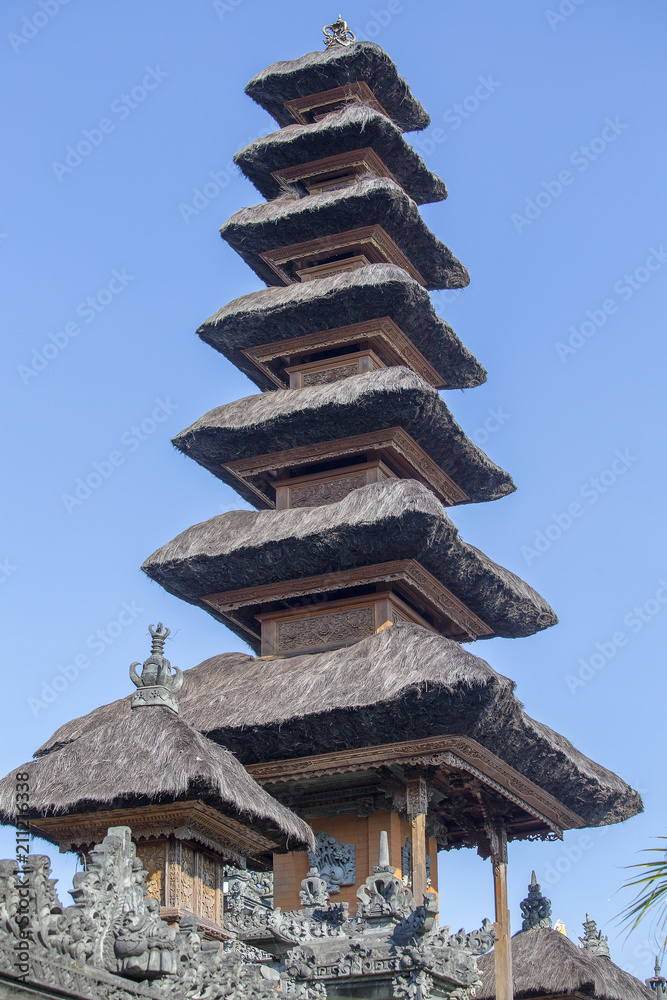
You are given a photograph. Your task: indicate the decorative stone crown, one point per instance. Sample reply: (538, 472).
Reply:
(535, 908)
(338, 33)
(593, 941)
(156, 685)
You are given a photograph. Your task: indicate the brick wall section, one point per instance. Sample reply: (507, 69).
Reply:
(364, 833)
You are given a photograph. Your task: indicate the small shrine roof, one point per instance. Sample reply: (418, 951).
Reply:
(274, 422)
(404, 683)
(289, 220)
(335, 67)
(394, 520)
(300, 309)
(146, 755)
(546, 963)
(354, 127)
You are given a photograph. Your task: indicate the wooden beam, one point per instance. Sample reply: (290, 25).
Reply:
(417, 807)
(418, 873)
(503, 948)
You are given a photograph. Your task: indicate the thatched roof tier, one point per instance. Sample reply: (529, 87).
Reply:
(278, 421)
(373, 292)
(375, 201)
(545, 963)
(354, 127)
(405, 683)
(394, 520)
(143, 757)
(335, 67)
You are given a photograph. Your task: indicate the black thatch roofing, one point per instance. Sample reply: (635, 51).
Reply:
(372, 201)
(546, 963)
(397, 519)
(390, 397)
(148, 755)
(403, 683)
(351, 297)
(336, 67)
(354, 127)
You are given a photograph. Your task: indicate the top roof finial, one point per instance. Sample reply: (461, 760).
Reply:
(156, 685)
(338, 33)
(594, 941)
(535, 908)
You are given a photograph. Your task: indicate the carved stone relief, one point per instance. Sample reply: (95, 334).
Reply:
(335, 862)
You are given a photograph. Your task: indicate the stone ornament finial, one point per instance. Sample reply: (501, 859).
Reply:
(156, 685)
(338, 33)
(657, 983)
(535, 908)
(593, 941)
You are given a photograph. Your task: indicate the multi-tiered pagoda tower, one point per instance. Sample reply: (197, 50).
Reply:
(350, 581)
(361, 710)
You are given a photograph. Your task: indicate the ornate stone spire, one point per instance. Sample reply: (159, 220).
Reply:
(156, 685)
(593, 940)
(657, 983)
(338, 33)
(535, 908)
(314, 892)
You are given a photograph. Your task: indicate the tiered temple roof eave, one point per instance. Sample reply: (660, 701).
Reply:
(335, 67)
(353, 127)
(546, 963)
(375, 201)
(397, 520)
(361, 404)
(301, 309)
(405, 683)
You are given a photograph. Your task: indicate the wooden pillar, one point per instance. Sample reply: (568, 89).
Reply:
(417, 803)
(503, 947)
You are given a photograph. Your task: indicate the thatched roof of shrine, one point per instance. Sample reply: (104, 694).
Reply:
(372, 292)
(148, 755)
(545, 963)
(334, 67)
(404, 683)
(372, 201)
(390, 397)
(354, 127)
(394, 520)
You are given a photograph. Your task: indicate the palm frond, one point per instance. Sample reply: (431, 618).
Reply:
(650, 899)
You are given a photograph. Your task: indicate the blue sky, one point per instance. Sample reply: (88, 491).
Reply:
(549, 129)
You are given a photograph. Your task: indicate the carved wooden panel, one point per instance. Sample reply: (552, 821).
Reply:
(318, 494)
(335, 623)
(328, 487)
(381, 335)
(314, 107)
(210, 889)
(333, 369)
(185, 868)
(193, 882)
(373, 242)
(325, 629)
(330, 374)
(153, 854)
(331, 267)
